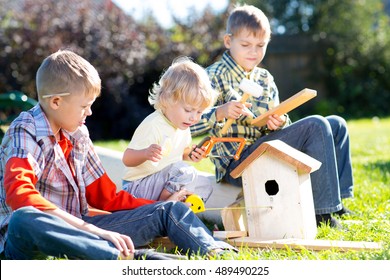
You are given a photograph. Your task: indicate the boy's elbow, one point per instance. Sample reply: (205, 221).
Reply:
(126, 158)
(130, 158)
(126, 162)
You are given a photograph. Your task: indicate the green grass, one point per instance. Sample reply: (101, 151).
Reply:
(370, 146)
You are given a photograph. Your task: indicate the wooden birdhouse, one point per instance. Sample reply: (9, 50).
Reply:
(277, 192)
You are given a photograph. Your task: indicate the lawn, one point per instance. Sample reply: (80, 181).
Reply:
(370, 144)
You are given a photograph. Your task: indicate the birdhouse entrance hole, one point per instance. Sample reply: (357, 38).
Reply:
(271, 187)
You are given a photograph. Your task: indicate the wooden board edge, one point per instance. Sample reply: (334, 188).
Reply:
(229, 234)
(286, 106)
(299, 244)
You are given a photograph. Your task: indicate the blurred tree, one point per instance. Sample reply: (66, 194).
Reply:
(355, 44)
(357, 56)
(103, 34)
(37, 28)
(201, 37)
(131, 56)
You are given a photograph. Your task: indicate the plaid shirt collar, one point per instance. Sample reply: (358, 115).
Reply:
(236, 70)
(43, 128)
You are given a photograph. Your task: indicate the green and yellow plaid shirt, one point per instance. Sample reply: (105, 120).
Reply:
(226, 75)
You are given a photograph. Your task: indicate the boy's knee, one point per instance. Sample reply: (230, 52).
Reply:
(321, 122)
(186, 171)
(337, 121)
(24, 213)
(174, 207)
(21, 218)
(318, 119)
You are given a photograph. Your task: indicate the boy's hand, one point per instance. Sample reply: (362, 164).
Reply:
(275, 121)
(197, 154)
(232, 110)
(180, 195)
(122, 242)
(153, 153)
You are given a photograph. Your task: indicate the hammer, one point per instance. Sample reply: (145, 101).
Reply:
(250, 89)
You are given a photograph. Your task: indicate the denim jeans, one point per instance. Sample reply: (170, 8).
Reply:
(325, 139)
(33, 234)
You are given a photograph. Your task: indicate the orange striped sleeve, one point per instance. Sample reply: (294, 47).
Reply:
(19, 184)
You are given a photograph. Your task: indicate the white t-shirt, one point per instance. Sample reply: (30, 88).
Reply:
(157, 129)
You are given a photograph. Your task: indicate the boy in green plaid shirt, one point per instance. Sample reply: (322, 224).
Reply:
(326, 139)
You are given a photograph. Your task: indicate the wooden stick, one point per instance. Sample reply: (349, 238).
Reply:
(286, 106)
(297, 244)
(229, 122)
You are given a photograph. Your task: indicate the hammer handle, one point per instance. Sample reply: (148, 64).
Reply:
(229, 122)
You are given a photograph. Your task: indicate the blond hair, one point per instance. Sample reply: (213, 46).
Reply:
(250, 18)
(184, 81)
(63, 72)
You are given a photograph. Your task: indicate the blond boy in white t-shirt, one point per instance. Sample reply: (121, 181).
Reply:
(154, 158)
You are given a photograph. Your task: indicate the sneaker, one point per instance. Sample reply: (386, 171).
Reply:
(343, 211)
(327, 219)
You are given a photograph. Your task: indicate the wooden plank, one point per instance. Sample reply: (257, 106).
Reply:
(298, 244)
(284, 152)
(234, 216)
(286, 106)
(229, 234)
(300, 160)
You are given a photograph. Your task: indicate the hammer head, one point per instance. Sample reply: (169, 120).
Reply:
(251, 88)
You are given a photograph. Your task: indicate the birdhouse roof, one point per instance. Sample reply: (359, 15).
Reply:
(282, 151)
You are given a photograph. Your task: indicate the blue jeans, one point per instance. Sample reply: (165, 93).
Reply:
(325, 139)
(33, 234)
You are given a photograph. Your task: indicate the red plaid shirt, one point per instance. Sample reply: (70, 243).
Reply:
(36, 170)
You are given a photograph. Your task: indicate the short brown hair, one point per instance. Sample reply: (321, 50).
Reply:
(250, 18)
(65, 71)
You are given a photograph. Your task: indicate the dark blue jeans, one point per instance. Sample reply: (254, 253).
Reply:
(33, 234)
(325, 139)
